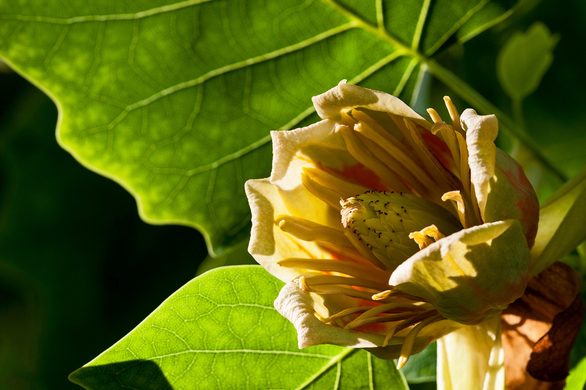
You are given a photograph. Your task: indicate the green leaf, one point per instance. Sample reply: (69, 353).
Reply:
(221, 331)
(421, 367)
(577, 378)
(174, 100)
(524, 60)
(237, 254)
(561, 224)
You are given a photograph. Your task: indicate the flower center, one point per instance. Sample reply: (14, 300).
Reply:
(393, 226)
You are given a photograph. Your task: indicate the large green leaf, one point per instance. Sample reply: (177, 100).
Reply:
(221, 331)
(174, 100)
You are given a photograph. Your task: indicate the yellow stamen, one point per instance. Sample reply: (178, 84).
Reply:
(307, 230)
(389, 336)
(433, 232)
(343, 290)
(431, 164)
(382, 295)
(426, 236)
(357, 149)
(380, 318)
(410, 340)
(464, 168)
(458, 202)
(346, 312)
(447, 134)
(405, 166)
(465, 178)
(399, 310)
(322, 280)
(349, 253)
(363, 249)
(347, 117)
(421, 239)
(403, 180)
(453, 111)
(328, 196)
(362, 271)
(336, 184)
(435, 117)
(303, 284)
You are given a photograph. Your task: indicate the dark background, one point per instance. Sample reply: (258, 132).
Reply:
(78, 269)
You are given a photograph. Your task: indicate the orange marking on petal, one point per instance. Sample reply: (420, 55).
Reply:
(527, 204)
(375, 327)
(439, 149)
(364, 302)
(360, 174)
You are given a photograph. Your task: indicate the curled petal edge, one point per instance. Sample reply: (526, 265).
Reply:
(500, 185)
(481, 132)
(344, 96)
(298, 307)
(471, 274)
(285, 146)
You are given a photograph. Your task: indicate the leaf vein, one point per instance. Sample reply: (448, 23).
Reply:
(233, 67)
(333, 360)
(420, 24)
(456, 26)
(107, 17)
(243, 351)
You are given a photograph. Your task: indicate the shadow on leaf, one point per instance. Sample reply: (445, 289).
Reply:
(132, 374)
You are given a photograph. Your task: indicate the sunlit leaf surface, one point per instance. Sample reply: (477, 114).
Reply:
(221, 331)
(174, 100)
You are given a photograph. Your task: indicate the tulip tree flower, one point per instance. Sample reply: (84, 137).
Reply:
(392, 232)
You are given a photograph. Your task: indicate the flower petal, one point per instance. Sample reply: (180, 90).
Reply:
(299, 307)
(471, 357)
(500, 185)
(268, 243)
(284, 194)
(481, 131)
(286, 169)
(330, 104)
(469, 274)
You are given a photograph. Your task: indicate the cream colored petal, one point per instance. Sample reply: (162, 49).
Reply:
(512, 196)
(500, 185)
(298, 307)
(481, 131)
(472, 357)
(286, 169)
(330, 104)
(268, 243)
(284, 194)
(470, 274)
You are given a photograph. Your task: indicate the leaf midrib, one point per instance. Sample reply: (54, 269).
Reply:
(355, 21)
(333, 360)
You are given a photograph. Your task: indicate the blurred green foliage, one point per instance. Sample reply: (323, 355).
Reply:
(78, 269)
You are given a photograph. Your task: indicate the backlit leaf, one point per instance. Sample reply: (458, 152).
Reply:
(174, 100)
(221, 331)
